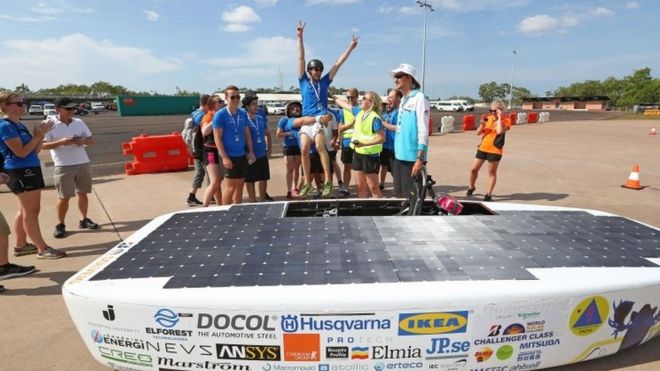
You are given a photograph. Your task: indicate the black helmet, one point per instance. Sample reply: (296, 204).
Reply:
(288, 106)
(314, 63)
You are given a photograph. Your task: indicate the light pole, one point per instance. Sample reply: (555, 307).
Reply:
(426, 9)
(513, 74)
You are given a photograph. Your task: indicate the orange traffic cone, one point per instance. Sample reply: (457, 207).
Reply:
(633, 179)
(652, 132)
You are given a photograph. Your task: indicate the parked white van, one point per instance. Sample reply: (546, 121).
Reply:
(466, 105)
(446, 105)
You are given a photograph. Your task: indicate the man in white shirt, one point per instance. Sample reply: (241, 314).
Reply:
(72, 173)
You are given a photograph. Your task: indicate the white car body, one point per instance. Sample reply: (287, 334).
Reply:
(275, 109)
(466, 105)
(444, 105)
(36, 109)
(97, 106)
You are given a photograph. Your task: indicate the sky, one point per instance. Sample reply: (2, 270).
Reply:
(204, 45)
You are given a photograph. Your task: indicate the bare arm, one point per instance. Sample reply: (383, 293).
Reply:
(217, 137)
(389, 126)
(341, 102)
(269, 143)
(207, 128)
(305, 120)
(23, 150)
(301, 49)
(248, 141)
(343, 57)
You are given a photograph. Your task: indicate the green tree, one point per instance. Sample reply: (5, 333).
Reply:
(489, 91)
(22, 89)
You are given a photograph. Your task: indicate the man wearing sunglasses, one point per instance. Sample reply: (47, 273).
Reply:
(72, 173)
(314, 91)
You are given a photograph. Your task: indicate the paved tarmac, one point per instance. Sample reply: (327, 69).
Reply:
(568, 163)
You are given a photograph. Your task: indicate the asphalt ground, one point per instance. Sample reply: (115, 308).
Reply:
(579, 163)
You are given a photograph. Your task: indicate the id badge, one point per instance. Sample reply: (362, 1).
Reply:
(319, 106)
(259, 140)
(237, 139)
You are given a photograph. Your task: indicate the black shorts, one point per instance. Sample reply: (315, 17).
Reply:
(210, 156)
(25, 179)
(291, 151)
(316, 167)
(346, 155)
(366, 164)
(239, 170)
(386, 158)
(333, 156)
(490, 157)
(259, 170)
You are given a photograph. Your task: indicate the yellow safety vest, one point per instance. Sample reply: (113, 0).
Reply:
(364, 133)
(348, 119)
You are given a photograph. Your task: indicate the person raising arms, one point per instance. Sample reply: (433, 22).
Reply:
(314, 91)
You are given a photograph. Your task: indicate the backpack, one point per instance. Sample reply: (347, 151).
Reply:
(192, 136)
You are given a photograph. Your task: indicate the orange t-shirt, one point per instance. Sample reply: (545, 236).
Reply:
(489, 133)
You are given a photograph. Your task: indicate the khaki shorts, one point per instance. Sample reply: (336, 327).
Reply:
(72, 179)
(311, 130)
(4, 227)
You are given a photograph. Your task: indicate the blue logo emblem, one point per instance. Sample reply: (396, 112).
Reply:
(290, 323)
(97, 336)
(166, 318)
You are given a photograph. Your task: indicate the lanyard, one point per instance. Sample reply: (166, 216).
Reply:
(317, 93)
(255, 126)
(236, 121)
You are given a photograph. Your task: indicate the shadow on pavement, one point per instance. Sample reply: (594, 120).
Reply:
(530, 196)
(56, 277)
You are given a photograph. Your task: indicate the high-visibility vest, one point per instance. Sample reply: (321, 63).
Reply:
(348, 119)
(364, 133)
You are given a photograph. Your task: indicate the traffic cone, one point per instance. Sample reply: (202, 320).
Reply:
(652, 132)
(633, 179)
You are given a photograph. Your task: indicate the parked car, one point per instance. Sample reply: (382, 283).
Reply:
(49, 110)
(466, 105)
(445, 105)
(276, 109)
(97, 107)
(81, 111)
(36, 109)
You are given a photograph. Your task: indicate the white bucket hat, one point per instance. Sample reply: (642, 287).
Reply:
(406, 68)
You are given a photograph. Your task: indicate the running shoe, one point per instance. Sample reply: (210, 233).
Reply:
(327, 190)
(87, 223)
(289, 195)
(470, 191)
(268, 198)
(28, 249)
(60, 231)
(51, 253)
(343, 192)
(381, 186)
(488, 198)
(193, 201)
(10, 270)
(304, 192)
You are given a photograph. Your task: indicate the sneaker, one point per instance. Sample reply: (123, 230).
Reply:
(343, 192)
(304, 192)
(193, 201)
(87, 223)
(295, 192)
(382, 186)
(10, 270)
(2, 288)
(289, 195)
(60, 231)
(268, 198)
(470, 191)
(25, 250)
(327, 190)
(488, 198)
(51, 253)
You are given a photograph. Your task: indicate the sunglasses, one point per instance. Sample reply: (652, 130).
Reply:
(69, 108)
(366, 99)
(350, 97)
(399, 75)
(19, 103)
(316, 69)
(234, 97)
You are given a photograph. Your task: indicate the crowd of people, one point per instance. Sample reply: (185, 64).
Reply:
(236, 147)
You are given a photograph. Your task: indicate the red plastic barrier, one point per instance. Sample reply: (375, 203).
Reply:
(468, 122)
(512, 117)
(532, 117)
(155, 154)
(430, 125)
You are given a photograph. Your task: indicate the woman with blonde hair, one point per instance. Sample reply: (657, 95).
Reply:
(19, 149)
(210, 157)
(492, 130)
(367, 141)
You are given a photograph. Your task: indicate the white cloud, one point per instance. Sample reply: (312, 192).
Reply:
(543, 23)
(27, 19)
(265, 3)
(632, 5)
(331, 2)
(77, 58)
(280, 51)
(60, 7)
(387, 9)
(151, 15)
(473, 5)
(239, 18)
(601, 12)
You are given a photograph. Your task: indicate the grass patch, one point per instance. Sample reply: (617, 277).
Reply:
(635, 116)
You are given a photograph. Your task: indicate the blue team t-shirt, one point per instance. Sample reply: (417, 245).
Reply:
(390, 117)
(233, 131)
(314, 95)
(289, 141)
(258, 127)
(9, 130)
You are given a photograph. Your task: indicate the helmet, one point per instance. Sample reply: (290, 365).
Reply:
(314, 63)
(288, 106)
